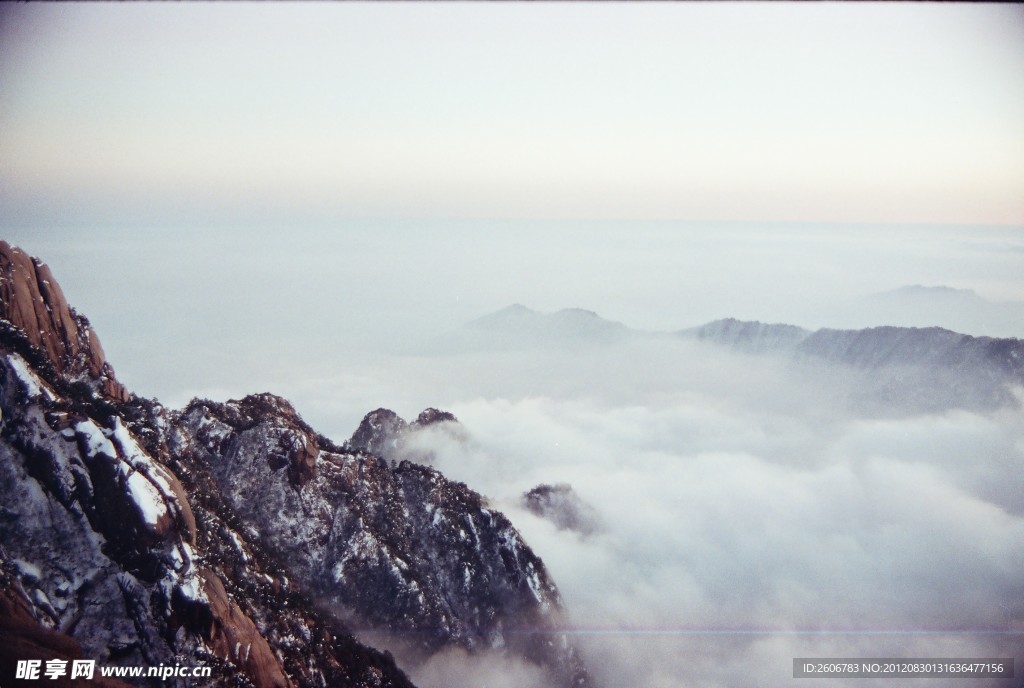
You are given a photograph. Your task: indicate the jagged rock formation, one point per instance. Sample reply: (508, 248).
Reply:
(139, 537)
(562, 506)
(899, 368)
(106, 544)
(110, 550)
(31, 300)
(386, 434)
(397, 550)
(379, 433)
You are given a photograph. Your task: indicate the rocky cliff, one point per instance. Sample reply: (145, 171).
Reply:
(386, 434)
(32, 301)
(106, 550)
(232, 535)
(417, 561)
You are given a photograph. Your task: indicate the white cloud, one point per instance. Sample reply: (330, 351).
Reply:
(455, 668)
(736, 492)
(747, 527)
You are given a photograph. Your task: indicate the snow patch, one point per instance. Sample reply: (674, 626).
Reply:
(192, 589)
(147, 498)
(95, 441)
(533, 580)
(33, 386)
(28, 571)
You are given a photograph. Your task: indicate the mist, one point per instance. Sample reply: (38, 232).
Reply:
(752, 508)
(307, 310)
(751, 513)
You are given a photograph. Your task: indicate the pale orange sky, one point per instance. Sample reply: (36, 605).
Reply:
(708, 111)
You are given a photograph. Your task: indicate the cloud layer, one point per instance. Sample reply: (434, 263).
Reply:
(751, 515)
(752, 510)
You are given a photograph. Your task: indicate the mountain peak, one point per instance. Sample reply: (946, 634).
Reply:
(516, 309)
(154, 536)
(431, 415)
(32, 302)
(577, 313)
(519, 327)
(384, 433)
(936, 291)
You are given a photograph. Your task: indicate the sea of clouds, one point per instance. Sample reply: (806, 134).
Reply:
(751, 509)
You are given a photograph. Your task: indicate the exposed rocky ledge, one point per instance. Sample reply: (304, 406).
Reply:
(32, 301)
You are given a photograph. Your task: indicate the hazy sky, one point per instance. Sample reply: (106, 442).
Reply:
(163, 113)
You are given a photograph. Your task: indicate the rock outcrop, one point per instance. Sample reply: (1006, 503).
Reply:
(386, 434)
(232, 535)
(563, 507)
(32, 301)
(109, 550)
(379, 433)
(417, 561)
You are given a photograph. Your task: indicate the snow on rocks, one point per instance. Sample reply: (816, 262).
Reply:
(392, 547)
(33, 386)
(100, 551)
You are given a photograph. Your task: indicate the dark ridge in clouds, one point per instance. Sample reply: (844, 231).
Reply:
(562, 506)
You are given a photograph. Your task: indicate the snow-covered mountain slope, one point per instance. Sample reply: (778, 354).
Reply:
(110, 551)
(103, 544)
(395, 549)
(232, 535)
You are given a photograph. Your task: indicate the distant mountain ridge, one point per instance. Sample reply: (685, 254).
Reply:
(870, 347)
(960, 310)
(518, 327)
(928, 368)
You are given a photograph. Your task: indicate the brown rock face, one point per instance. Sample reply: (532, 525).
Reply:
(22, 637)
(233, 635)
(302, 461)
(32, 301)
